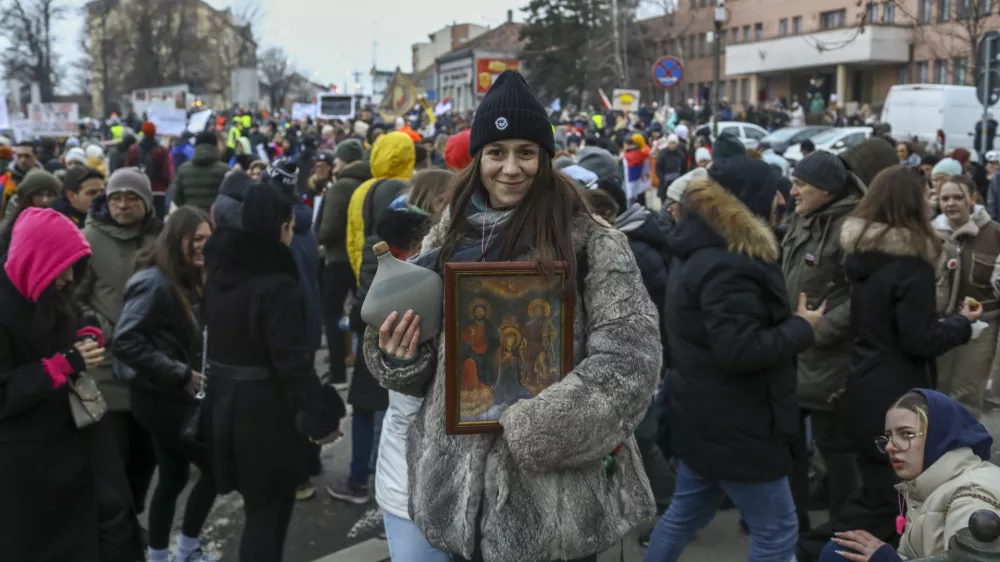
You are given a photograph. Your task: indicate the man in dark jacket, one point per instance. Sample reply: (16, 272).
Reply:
(197, 182)
(80, 186)
(154, 160)
(351, 170)
(812, 263)
(119, 152)
(671, 163)
(733, 409)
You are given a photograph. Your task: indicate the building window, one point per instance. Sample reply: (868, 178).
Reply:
(797, 25)
(783, 27)
(964, 9)
(744, 91)
(702, 41)
(904, 74)
(691, 51)
(746, 33)
(732, 91)
(924, 11)
(889, 11)
(923, 72)
(734, 36)
(872, 13)
(758, 31)
(940, 71)
(832, 19)
(704, 3)
(944, 10)
(694, 4)
(985, 7)
(961, 70)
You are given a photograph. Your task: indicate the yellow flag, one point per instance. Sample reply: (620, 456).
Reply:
(400, 97)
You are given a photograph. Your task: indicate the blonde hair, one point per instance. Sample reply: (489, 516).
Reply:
(916, 403)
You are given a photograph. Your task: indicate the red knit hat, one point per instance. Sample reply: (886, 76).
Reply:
(456, 151)
(148, 129)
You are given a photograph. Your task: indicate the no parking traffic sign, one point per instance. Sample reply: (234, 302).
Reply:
(668, 72)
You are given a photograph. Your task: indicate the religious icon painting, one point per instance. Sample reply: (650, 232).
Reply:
(508, 336)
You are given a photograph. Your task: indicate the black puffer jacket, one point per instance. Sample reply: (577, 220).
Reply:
(647, 237)
(158, 343)
(733, 339)
(897, 332)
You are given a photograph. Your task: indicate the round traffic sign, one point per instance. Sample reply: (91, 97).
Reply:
(668, 72)
(994, 87)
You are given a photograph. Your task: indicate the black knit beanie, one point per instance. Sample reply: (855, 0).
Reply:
(822, 170)
(510, 110)
(206, 137)
(727, 146)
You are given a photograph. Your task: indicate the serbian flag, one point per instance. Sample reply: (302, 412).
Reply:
(638, 172)
(604, 99)
(443, 107)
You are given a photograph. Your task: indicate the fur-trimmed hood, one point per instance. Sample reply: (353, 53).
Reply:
(878, 238)
(729, 223)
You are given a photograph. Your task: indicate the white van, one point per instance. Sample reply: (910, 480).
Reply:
(926, 110)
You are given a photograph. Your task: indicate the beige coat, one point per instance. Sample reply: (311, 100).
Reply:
(967, 268)
(942, 499)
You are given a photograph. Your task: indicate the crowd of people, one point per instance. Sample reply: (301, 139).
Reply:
(744, 333)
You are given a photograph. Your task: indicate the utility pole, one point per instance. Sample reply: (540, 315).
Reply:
(720, 18)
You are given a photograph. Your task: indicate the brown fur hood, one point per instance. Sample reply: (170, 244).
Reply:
(879, 237)
(743, 232)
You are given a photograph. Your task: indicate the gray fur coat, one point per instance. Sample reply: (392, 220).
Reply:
(540, 489)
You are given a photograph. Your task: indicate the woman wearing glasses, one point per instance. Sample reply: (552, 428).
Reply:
(942, 454)
(891, 253)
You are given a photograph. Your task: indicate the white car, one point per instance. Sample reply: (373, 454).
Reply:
(748, 133)
(834, 140)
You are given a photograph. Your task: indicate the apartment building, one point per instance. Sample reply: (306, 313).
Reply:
(772, 48)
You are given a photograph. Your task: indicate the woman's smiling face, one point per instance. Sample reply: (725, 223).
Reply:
(507, 170)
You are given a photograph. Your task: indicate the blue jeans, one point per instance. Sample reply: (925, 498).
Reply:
(407, 543)
(365, 428)
(767, 508)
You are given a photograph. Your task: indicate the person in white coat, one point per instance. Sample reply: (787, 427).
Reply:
(942, 455)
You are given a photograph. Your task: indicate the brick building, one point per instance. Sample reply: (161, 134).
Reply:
(772, 48)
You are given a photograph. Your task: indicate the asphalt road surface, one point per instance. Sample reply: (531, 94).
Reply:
(325, 530)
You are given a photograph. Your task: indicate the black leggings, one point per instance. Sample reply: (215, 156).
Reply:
(164, 417)
(267, 519)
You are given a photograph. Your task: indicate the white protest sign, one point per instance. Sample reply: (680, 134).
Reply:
(4, 117)
(169, 122)
(199, 121)
(303, 110)
(53, 119)
(625, 100)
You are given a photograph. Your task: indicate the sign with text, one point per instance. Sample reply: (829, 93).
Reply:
(334, 106)
(53, 119)
(169, 122)
(301, 111)
(199, 121)
(487, 71)
(625, 100)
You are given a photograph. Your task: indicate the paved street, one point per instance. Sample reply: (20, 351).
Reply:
(324, 530)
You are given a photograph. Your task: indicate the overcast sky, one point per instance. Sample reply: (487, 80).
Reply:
(333, 39)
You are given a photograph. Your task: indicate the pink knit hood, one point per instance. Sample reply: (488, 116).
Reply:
(44, 243)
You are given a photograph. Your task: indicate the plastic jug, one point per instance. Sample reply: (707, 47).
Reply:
(400, 286)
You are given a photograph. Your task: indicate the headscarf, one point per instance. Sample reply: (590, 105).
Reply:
(951, 426)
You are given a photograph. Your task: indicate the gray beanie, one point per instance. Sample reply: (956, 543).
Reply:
(599, 161)
(822, 170)
(131, 179)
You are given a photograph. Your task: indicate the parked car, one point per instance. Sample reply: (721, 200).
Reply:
(834, 140)
(748, 133)
(781, 139)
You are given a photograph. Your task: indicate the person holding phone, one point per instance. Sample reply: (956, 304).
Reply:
(64, 497)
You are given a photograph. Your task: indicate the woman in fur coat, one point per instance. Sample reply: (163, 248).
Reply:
(564, 480)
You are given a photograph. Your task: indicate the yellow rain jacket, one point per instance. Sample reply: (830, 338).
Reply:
(392, 158)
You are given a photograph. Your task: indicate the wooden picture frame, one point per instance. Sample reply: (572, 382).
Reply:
(508, 336)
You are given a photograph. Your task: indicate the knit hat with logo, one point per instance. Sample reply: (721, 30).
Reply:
(510, 110)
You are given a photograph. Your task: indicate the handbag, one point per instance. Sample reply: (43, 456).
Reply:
(86, 402)
(191, 431)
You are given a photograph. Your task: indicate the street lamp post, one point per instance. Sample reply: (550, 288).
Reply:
(720, 18)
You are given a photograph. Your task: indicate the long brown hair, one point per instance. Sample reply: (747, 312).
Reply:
(544, 217)
(896, 198)
(168, 254)
(430, 191)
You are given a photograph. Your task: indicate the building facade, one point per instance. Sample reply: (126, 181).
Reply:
(773, 49)
(465, 74)
(442, 41)
(137, 44)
